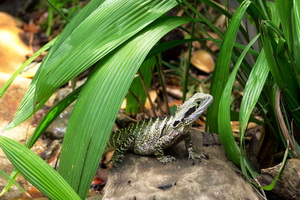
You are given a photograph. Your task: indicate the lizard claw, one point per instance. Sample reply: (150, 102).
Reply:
(193, 155)
(117, 159)
(166, 159)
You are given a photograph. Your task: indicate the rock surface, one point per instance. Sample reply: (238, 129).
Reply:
(8, 106)
(143, 177)
(13, 50)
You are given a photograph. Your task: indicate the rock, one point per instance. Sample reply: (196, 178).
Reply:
(8, 106)
(143, 177)
(58, 127)
(288, 184)
(13, 50)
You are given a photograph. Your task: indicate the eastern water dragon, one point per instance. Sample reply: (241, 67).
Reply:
(154, 135)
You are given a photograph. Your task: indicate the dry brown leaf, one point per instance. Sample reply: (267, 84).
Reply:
(175, 92)
(175, 103)
(32, 28)
(235, 125)
(210, 44)
(7, 20)
(203, 61)
(123, 106)
(153, 96)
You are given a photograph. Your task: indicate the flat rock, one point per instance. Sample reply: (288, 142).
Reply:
(13, 50)
(143, 177)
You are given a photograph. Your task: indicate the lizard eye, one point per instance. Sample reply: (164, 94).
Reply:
(198, 102)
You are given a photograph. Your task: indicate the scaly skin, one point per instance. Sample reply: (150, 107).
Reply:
(154, 135)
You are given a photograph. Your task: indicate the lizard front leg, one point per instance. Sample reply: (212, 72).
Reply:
(159, 150)
(190, 149)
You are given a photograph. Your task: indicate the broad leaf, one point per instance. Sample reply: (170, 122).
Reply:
(36, 170)
(98, 104)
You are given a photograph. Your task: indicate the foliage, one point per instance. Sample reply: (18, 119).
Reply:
(128, 31)
(272, 84)
(117, 37)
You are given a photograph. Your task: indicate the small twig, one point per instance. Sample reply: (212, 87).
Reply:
(162, 81)
(147, 92)
(188, 62)
(141, 103)
(283, 125)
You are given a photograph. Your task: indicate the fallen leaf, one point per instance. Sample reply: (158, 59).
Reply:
(153, 96)
(203, 61)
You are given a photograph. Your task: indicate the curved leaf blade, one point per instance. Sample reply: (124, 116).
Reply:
(220, 75)
(98, 104)
(36, 170)
(225, 130)
(88, 38)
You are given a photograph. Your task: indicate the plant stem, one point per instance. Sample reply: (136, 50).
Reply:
(147, 92)
(188, 63)
(162, 81)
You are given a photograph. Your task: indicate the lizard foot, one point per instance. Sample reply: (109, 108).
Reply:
(165, 159)
(193, 156)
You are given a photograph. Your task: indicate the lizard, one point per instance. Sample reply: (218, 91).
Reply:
(154, 135)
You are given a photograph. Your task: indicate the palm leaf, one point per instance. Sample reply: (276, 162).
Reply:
(36, 170)
(92, 34)
(98, 104)
(220, 75)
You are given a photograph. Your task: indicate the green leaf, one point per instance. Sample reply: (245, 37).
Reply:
(53, 113)
(296, 33)
(272, 185)
(91, 35)
(36, 170)
(98, 104)
(107, 27)
(2, 173)
(225, 130)
(283, 8)
(220, 75)
(283, 72)
(253, 89)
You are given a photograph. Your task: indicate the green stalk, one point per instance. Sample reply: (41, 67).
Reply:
(186, 70)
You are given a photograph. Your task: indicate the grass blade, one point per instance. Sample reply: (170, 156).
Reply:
(115, 21)
(2, 173)
(132, 106)
(225, 130)
(105, 21)
(53, 113)
(220, 75)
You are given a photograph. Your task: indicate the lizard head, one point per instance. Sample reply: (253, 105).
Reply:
(191, 109)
